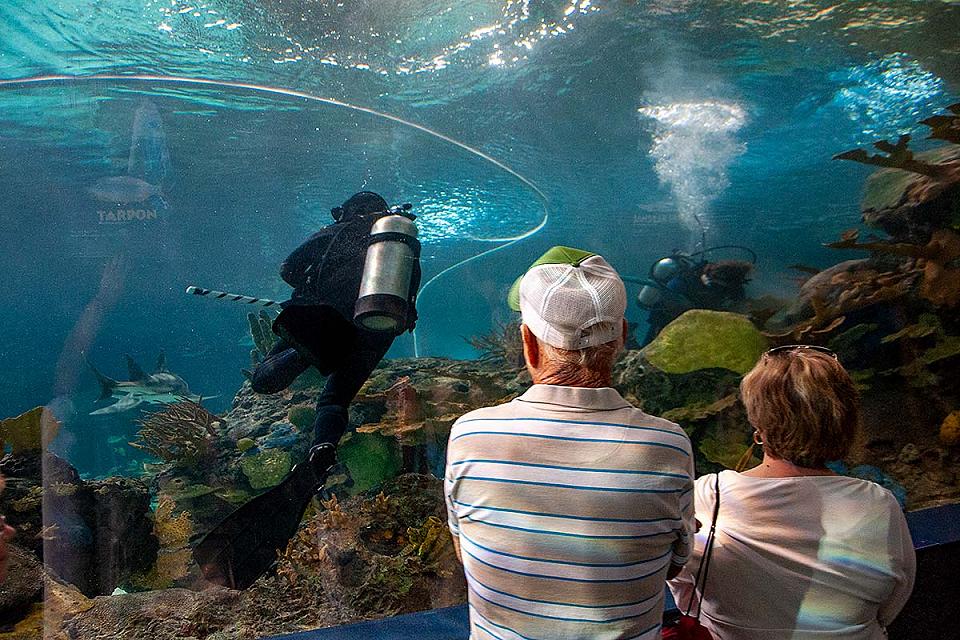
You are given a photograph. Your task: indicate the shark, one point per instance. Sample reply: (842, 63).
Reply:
(160, 387)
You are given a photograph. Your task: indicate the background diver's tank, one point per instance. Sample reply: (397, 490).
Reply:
(383, 303)
(660, 274)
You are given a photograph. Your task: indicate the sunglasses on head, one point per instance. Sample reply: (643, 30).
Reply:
(792, 348)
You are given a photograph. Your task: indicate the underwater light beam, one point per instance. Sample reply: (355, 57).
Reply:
(293, 93)
(693, 145)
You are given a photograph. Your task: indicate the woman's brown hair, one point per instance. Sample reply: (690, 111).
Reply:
(804, 405)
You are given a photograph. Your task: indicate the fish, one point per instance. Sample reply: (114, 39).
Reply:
(123, 190)
(149, 157)
(160, 387)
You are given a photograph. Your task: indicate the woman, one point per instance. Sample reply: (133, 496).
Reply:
(800, 552)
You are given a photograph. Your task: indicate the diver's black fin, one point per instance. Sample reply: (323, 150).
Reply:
(161, 362)
(246, 543)
(107, 385)
(134, 370)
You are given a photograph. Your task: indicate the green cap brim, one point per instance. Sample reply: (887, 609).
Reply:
(554, 255)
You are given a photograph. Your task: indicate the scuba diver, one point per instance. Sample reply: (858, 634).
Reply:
(680, 282)
(355, 284)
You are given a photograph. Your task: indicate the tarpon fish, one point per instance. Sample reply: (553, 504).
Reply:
(160, 387)
(149, 157)
(122, 190)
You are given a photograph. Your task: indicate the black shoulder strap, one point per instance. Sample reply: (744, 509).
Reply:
(701, 580)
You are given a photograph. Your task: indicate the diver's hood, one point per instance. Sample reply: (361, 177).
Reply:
(359, 204)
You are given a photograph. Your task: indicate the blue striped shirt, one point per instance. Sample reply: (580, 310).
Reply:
(569, 505)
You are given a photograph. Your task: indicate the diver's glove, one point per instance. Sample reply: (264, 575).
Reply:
(246, 543)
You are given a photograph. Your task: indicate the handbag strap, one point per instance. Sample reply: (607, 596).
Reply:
(701, 580)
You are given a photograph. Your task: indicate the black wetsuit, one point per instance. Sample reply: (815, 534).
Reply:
(316, 325)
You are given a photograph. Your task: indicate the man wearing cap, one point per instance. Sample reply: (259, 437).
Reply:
(568, 506)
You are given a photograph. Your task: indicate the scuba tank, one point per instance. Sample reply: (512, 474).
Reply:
(662, 271)
(392, 251)
(654, 290)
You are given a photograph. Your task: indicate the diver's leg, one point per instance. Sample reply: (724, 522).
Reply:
(343, 384)
(278, 370)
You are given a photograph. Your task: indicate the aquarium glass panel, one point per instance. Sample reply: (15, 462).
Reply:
(191, 304)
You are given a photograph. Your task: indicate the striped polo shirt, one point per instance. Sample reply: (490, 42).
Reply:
(569, 505)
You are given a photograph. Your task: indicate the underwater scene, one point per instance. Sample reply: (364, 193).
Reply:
(760, 173)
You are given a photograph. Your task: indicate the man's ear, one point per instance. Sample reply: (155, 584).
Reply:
(626, 332)
(531, 349)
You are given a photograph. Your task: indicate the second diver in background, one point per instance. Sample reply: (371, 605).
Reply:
(681, 282)
(354, 291)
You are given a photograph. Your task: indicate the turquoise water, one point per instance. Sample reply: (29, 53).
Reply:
(609, 125)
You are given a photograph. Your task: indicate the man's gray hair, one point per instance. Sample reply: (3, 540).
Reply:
(582, 367)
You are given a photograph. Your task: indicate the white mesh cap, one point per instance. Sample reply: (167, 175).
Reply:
(573, 307)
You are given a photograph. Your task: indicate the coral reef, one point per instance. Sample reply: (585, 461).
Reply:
(386, 553)
(23, 585)
(92, 534)
(915, 194)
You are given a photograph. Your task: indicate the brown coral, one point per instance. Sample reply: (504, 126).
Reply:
(941, 274)
(183, 432)
(936, 261)
(503, 343)
(403, 404)
(950, 429)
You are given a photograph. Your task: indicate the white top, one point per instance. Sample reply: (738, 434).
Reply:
(800, 558)
(569, 505)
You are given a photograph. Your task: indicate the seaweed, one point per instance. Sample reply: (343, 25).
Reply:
(846, 343)
(928, 324)
(173, 559)
(502, 344)
(29, 431)
(264, 339)
(432, 544)
(701, 410)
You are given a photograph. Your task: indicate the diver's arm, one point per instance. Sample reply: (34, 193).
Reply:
(296, 268)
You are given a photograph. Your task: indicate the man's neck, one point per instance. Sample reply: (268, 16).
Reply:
(586, 379)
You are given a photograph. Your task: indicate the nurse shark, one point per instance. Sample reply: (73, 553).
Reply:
(160, 387)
